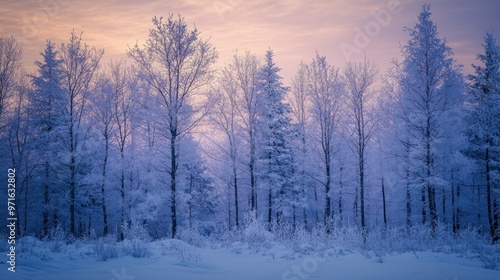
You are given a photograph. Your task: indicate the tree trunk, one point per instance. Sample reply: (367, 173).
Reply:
(453, 209)
(72, 194)
(327, 191)
(103, 186)
(316, 200)
(444, 205)
(26, 195)
(356, 203)
(123, 218)
(430, 187)
(384, 204)
(229, 220)
(123, 221)
(341, 185)
(270, 210)
(46, 201)
(408, 200)
(362, 190)
(496, 236)
(492, 209)
(235, 184)
(251, 165)
(190, 204)
(173, 181)
(304, 215)
(458, 209)
(424, 211)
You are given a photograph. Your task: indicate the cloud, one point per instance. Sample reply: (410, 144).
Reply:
(295, 29)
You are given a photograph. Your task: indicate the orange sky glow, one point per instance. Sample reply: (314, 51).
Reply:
(294, 29)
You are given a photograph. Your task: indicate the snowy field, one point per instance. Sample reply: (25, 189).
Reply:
(175, 259)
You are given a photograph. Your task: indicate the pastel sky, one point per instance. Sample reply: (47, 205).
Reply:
(294, 29)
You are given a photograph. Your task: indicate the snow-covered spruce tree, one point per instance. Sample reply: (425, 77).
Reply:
(430, 89)
(274, 128)
(47, 99)
(325, 91)
(176, 63)
(79, 65)
(484, 126)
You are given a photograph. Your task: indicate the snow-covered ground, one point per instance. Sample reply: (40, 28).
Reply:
(174, 259)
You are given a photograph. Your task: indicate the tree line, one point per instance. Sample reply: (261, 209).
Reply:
(163, 141)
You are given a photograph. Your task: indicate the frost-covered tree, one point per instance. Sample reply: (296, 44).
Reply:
(10, 63)
(430, 86)
(483, 122)
(300, 107)
(46, 101)
(176, 63)
(359, 77)
(123, 83)
(325, 90)
(274, 125)
(226, 119)
(79, 65)
(200, 197)
(110, 109)
(245, 69)
(22, 154)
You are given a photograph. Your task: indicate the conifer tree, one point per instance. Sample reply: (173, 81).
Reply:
(275, 132)
(484, 125)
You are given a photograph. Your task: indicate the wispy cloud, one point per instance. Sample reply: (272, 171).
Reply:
(295, 29)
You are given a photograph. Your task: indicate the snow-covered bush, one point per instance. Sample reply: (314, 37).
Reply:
(136, 248)
(307, 242)
(192, 237)
(257, 235)
(136, 230)
(26, 246)
(346, 236)
(229, 237)
(137, 240)
(377, 243)
(488, 255)
(106, 248)
(46, 257)
(302, 242)
(183, 251)
(57, 239)
(4, 246)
